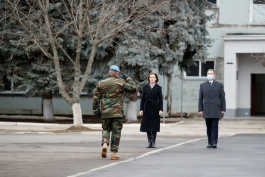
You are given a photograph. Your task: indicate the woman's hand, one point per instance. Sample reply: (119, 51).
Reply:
(160, 113)
(141, 113)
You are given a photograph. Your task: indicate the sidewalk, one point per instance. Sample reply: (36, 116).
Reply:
(195, 126)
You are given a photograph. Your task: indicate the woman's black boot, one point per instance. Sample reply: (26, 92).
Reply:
(149, 140)
(153, 141)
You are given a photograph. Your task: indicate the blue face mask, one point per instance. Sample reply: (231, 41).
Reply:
(210, 77)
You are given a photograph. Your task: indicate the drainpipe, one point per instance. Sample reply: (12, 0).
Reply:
(181, 95)
(164, 98)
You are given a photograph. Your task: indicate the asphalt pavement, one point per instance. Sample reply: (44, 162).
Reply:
(45, 150)
(237, 156)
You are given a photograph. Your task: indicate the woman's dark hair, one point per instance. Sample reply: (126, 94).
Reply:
(152, 73)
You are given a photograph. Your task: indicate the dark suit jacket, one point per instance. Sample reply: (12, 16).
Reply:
(212, 99)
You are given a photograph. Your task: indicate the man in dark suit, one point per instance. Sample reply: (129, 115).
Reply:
(212, 106)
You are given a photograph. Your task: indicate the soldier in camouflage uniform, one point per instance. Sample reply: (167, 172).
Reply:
(107, 102)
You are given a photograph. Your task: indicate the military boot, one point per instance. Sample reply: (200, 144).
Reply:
(114, 156)
(104, 150)
(149, 140)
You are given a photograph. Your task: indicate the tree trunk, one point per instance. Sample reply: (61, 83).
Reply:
(131, 111)
(77, 113)
(47, 108)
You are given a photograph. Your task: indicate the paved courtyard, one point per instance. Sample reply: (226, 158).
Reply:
(36, 150)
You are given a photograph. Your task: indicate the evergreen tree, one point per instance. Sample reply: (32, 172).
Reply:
(36, 77)
(74, 30)
(41, 81)
(175, 34)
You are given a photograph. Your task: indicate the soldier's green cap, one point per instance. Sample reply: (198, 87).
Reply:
(115, 68)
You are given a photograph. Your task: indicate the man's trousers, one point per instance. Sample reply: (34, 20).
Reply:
(212, 130)
(113, 126)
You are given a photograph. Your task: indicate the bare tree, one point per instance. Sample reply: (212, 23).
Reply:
(260, 58)
(45, 23)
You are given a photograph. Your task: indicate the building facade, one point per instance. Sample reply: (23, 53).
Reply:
(238, 31)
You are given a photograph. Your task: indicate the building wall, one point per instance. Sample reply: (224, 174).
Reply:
(238, 90)
(184, 94)
(18, 104)
(230, 16)
(234, 12)
(248, 65)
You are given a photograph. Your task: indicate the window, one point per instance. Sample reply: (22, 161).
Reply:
(212, 1)
(259, 1)
(200, 69)
(257, 12)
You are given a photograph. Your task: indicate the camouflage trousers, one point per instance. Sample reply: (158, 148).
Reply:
(113, 126)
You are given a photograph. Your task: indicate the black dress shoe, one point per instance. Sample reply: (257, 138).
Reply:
(209, 146)
(214, 146)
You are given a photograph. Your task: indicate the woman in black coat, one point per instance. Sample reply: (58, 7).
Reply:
(151, 108)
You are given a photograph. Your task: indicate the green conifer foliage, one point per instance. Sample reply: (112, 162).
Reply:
(175, 33)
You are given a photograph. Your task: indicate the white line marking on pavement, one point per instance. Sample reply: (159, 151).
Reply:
(33, 132)
(135, 158)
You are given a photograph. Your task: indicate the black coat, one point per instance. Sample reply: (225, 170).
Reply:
(151, 104)
(212, 99)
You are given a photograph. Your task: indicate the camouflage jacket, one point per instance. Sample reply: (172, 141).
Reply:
(108, 96)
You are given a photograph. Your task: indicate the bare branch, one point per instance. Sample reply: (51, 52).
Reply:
(63, 50)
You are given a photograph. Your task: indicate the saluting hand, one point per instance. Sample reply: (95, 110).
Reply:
(123, 76)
